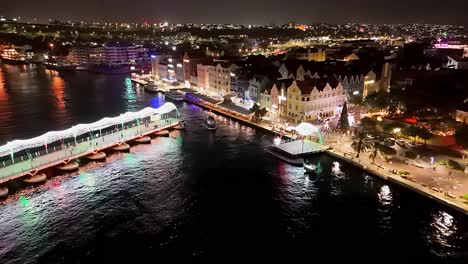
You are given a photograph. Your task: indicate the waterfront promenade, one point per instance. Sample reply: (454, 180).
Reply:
(436, 185)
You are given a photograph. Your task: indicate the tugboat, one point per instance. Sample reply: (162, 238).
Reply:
(211, 123)
(309, 167)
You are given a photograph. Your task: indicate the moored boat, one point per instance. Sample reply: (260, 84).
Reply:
(41, 177)
(59, 66)
(151, 88)
(175, 96)
(309, 167)
(211, 123)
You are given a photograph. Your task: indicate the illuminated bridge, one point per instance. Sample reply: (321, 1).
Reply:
(26, 157)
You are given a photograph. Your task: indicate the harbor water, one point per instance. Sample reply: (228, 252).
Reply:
(200, 195)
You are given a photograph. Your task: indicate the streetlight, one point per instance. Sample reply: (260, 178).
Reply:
(51, 45)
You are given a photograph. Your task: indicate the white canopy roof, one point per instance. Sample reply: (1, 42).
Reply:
(53, 136)
(306, 129)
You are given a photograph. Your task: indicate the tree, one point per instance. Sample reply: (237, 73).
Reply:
(411, 131)
(377, 101)
(424, 134)
(258, 112)
(343, 122)
(374, 154)
(461, 136)
(361, 137)
(368, 124)
(418, 132)
(390, 127)
(355, 100)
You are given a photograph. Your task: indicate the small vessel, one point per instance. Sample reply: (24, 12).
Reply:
(70, 166)
(309, 167)
(151, 88)
(3, 191)
(143, 140)
(162, 133)
(59, 65)
(211, 123)
(175, 96)
(97, 156)
(35, 178)
(122, 147)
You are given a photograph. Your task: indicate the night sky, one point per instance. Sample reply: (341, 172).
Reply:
(243, 11)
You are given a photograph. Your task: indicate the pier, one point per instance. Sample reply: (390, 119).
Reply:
(301, 147)
(27, 157)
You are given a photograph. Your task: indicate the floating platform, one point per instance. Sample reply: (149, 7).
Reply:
(143, 140)
(296, 161)
(97, 156)
(122, 147)
(162, 133)
(70, 166)
(301, 147)
(3, 191)
(41, 177)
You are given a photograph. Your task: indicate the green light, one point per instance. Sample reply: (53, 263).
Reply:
(87, 179)
(24, 201)
(319, 168)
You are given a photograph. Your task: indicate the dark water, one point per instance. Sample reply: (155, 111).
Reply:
(201, 196)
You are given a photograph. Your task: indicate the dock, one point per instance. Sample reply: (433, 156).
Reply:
(21, 161)
(301, 147)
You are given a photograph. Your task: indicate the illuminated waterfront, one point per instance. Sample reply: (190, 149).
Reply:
(197, 194)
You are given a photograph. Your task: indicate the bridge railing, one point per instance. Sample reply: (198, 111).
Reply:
(27, 163)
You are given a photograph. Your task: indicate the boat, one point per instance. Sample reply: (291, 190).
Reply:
(151, 88)
(162, 133)
(143, 140)
(59, 66)
(70, 166)
(12, 56)
(41, 177)
(309, 167)
(3, 191)
(211, 123)
(97, 156)
(296, 161)
(122, 147)
(175, 96)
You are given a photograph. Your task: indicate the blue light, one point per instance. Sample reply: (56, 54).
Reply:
(153, 56)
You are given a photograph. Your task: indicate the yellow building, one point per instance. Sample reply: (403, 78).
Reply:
(314, 99)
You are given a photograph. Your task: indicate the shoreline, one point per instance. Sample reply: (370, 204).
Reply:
(411, 185)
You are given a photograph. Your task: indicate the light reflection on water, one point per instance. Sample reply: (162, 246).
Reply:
(200, 186)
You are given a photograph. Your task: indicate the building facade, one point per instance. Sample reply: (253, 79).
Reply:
(314, 99)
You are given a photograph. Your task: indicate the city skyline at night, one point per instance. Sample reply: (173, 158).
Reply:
(257, 12)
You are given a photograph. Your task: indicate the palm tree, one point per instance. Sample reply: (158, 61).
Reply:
(374, 154)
